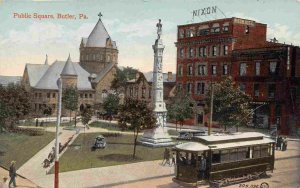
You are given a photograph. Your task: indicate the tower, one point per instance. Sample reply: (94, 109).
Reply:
(158, 136)
(69, 74)
(98, 50)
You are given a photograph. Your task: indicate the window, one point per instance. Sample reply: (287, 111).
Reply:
(257, 68)
(181, 52)
(242, 153)
(271, 90)
(273, 68)
(48, 95)
(180, 70)
(256, 90)
(214, 51)
(86, 95)
(225, 29)
(225, 69)
(36, 95)
(179, 87)
(200, 88)
(247, 29)
(40, 95)
(216, 157)
(256, 152)
(203, 32)
(233, 155)
(225, 50)
(191, 52)
(214, 69)
(224, 156)
(242, 88)
(108, 58)
(150, 93)
(143, 92)
(94, 57)
(91, 95)
(136, 93)
(81, 95)
(265, 152)
(189, 87)
(190, 33)
(202, 52)
(130, 91)
(181, 33)
(53, 95)
(243, 69)
(202, 70)
(215, 30)
(190, 69)
(200, 118)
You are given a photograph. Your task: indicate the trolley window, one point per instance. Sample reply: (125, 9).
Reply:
(265, 151)
(242, 153)
(224, 156)
(233, 155)
(256, 151)
(216, 157)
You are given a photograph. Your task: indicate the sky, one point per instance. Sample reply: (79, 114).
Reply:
(131, 23)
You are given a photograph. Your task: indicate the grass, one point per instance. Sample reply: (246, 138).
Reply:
(118, 151)
(21, 147)
(105, 125)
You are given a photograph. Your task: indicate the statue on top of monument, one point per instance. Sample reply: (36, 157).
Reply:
(159, 26)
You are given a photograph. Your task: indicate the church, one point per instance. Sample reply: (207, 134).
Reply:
(92, 75)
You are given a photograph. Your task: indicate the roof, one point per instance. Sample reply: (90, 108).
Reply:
(52, 73)
(35, 72)
(222, 138)
(69, 68)
(5, 80)
(192, 146)
(149, 78)
(104, 72)
(98, 37)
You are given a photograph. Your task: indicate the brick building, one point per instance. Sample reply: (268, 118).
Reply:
(141, 87)
(209, 51)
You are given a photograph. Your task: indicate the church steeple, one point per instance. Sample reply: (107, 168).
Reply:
(46, 61)
(69, 68)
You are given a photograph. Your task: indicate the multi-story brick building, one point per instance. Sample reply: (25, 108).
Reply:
(209, 51)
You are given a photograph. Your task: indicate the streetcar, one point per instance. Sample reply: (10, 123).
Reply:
(224, 159)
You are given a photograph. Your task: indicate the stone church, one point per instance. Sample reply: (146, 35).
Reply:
(92, 75)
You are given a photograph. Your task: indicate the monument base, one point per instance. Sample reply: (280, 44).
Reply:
(157, 137)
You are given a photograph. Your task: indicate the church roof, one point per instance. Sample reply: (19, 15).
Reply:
(69, 68)
(98, 37)
(45, 76)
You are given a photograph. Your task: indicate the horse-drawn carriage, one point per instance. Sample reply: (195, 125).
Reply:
(224, 159)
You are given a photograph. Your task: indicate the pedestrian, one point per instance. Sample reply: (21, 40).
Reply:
(166, 157)
(279, 143)
(284, 144)
(202, 167)
(173, 159)
(4, 184)
(12, 174)
(36, 122)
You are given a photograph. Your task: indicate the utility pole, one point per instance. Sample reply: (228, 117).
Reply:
(211, 108)
(56, 164)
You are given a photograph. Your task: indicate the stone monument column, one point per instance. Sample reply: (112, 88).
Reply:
(159, 135)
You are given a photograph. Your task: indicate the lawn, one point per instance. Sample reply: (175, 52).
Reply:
(21, 147)
(105, 125)
(118, 151)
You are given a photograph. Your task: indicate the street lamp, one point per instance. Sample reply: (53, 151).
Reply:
(56, 164)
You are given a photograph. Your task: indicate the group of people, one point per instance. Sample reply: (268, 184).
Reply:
(168, 156)
(281, 143)
(12, 175)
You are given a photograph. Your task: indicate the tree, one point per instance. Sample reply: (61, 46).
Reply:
(86, 115)
(15, 104)
(135, 114)
(231, 106)
(70, 99)
(111, 104)
(180, 108)
(121, 77)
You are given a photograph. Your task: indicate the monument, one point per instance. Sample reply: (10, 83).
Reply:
(158, 136)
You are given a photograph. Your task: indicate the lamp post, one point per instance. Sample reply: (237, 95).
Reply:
(56, 164)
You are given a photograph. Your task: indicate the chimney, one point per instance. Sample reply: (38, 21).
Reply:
(170, 76)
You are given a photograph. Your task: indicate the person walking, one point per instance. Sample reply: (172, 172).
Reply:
(12, 174)
(173, 159)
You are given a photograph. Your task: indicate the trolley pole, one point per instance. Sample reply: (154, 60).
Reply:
(211, 108)
(56, 165)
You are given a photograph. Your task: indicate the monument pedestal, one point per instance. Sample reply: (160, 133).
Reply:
(157, 137)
